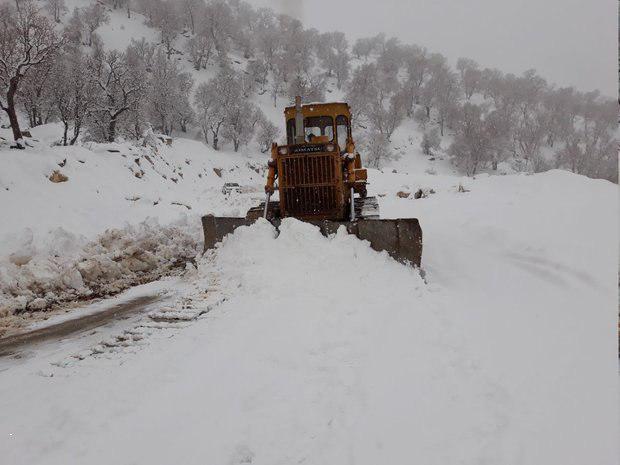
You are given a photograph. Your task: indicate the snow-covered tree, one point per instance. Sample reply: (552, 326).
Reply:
(266, 134)
(470, 76)
(57, 8)
(191, 10)
(35, 97)
(391, 58)
(28, 42)
(74, 30)
(366, 46)
(240, 122)
(72, 91)
(243, 32)
(333, 53)
(296, 55)
(199, 48)
(431, 141)
(591, 148)
(258, 73)
(417, 67)
(278, 81)
(216, 24)
(531, 121)
(447, 94)
(168, 96)
(472, 146)
(361, 91)
(121, 85)
(311, 88)
(377, 150)
(385, 117)
(268, 39)
(377, 99)
(212, 100)
(168, 21)
(94, 16)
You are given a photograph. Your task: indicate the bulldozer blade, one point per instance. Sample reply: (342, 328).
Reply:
(400, 238)
(215, 228)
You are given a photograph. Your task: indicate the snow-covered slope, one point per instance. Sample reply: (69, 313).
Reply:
(125, 215)
(323, 351)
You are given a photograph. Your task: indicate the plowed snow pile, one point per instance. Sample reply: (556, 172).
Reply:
(67, 266)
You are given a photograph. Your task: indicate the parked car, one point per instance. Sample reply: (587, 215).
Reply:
(231, 187)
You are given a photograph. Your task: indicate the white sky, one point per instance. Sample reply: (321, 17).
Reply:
(569, 42)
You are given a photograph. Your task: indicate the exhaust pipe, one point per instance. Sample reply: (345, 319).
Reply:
(300, 137)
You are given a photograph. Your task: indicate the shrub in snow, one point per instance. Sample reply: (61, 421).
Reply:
(267, 134)
(430, 141)
(57, 177)
(378, 150)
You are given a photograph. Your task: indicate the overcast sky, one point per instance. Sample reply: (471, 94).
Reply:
(569, 42)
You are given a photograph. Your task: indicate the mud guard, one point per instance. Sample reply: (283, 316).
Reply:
(400, 238)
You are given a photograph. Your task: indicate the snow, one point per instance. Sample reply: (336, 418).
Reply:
(125, 212)
(287, 347)
(69, 268)
(320, 350)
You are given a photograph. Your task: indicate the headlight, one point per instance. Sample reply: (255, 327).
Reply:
(283, 150)
(330, 147)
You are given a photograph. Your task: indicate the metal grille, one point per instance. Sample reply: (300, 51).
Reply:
(308, 184)
(307, 170)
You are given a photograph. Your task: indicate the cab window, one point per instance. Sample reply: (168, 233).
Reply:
(342, 131)
(319, 126)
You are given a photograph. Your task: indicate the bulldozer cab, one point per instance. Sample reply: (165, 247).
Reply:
(323, 123)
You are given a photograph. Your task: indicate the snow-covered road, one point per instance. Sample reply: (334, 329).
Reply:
(323, 351)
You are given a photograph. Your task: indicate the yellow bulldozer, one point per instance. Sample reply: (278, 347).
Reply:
(319, 177)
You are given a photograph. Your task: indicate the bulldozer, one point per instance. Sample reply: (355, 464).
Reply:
(320, 179)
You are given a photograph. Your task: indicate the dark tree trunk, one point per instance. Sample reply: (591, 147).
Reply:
(11, 112)
(76, 133)
(112, 130)
(64, 133)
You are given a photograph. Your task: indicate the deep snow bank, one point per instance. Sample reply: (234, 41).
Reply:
(65, 267)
